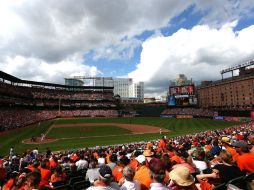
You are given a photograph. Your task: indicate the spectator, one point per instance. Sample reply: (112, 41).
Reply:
(104, 181)
(143, 173)
(82, 163)
(127, 182)
(92, 173)
(224, 171)
(157, 169)
(182, 179)
(118, 170)
(32, 181)
(245, 160)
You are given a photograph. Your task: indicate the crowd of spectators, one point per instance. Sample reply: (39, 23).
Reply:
(11, 118)
(198, 112)
(25, 105)
(191, 162)
(54, 94)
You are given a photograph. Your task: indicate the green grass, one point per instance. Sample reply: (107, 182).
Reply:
(177, 127)
(86, 131)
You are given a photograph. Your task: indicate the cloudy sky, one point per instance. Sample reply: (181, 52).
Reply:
(148, 40)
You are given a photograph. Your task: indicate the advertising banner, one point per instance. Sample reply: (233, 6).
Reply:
(171, 101)
(232, 118)
(167, 116)
(184, 116)
(245, 119)
(218, 118)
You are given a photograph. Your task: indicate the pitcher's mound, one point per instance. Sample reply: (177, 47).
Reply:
(37, 140)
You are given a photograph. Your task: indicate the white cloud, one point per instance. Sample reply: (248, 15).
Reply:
(38, 39)
(200, 53)
(123, 49)
(39, 70)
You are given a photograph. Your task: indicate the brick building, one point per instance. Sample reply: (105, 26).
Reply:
(230, 96)
(232, 93)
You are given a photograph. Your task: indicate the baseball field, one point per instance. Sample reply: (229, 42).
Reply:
(69, 134)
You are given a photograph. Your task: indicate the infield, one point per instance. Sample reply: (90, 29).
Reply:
(87, 130)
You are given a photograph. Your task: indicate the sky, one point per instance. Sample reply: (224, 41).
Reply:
(148, 40)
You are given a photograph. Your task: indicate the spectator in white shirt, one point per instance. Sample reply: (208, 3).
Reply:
(127, 182)
(82, 163)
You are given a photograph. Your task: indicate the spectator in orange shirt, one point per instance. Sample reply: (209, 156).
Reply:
(11, 182)
(58, 175)
(143, 173)
(225, 141)
(45, 173)
(53, 162)
(162, 144)
(245, 160)
(133, 161)
(34, 166)
(118, 170)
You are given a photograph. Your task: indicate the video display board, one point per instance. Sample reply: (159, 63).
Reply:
(187, 89)
(182, 96)
(171, 101)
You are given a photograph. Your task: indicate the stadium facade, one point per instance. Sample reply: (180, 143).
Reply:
(230, 96)
(24, 102)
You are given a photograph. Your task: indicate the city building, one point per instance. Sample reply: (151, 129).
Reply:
(124, 87)
(180, 80)
(137, 90)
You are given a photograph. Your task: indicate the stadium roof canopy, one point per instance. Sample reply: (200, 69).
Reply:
(6, 76)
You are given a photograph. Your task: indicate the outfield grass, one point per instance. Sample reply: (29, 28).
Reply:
(177, 127)
(86, 131)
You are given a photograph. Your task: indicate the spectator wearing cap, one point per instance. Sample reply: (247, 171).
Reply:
(104, 181)
(118, 170)
(225, 142)
(133, 161)
(245, 160)
(181, 179)
(157, 168)
(143, 173)
(149, 155)
(128, 183)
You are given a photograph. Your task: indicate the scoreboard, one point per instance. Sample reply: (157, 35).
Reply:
(188, 89)
(182, 96)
